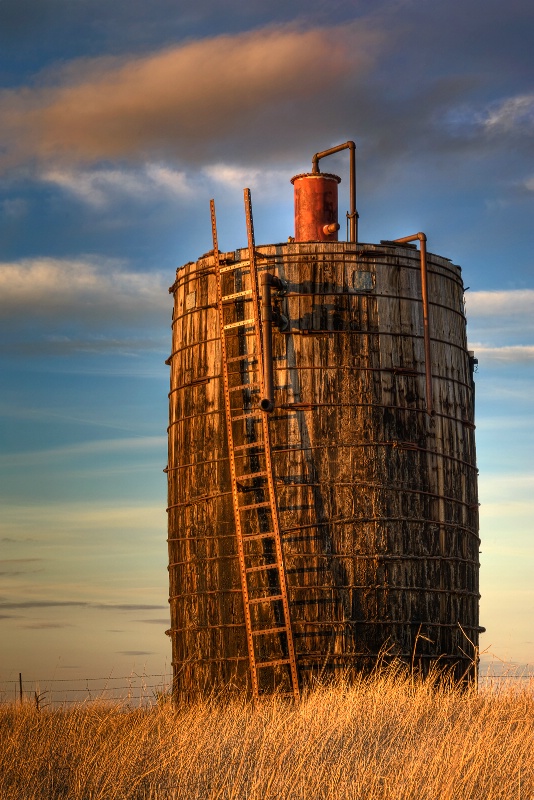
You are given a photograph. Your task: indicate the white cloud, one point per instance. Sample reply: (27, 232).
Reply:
(264, 182)
(93, 188)
(505, 117)
(500, 303)
(501, 325)
(232, 176)
(89, 291)
(174, 181)
(99, 187)
(514, 114)
(520, 353)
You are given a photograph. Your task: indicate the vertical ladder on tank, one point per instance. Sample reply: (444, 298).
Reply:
(257, 523)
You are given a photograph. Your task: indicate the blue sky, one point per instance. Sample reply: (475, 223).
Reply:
(119, 122)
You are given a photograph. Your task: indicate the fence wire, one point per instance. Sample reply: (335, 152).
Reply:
(135, 689)
(149, 688)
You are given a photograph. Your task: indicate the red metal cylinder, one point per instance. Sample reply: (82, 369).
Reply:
(316, 207)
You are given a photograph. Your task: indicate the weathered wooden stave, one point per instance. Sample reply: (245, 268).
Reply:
(366, 427)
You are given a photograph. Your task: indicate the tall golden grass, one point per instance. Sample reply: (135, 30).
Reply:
(387, 736)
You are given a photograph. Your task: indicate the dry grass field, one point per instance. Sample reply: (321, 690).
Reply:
(389, 737)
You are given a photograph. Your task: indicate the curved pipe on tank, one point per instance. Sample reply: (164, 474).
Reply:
(426, 328)
(267, 281)
(353, 214)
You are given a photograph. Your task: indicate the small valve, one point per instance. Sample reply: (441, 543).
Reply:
(333, 227)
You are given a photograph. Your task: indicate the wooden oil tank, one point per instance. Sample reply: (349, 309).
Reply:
(373, 464)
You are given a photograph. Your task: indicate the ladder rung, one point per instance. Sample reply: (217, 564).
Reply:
(242, 358)
(250, 415)
(268, 535)
(269, 599)
(251, 475)
(239, 324)
(236, 295)
(261, 664)
(255, 505)
(237, 265)
(265, 631)
(262, 568)
(246, 369)
(248, 446)
(252, 385)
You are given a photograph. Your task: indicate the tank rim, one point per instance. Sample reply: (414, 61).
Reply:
(328, 175)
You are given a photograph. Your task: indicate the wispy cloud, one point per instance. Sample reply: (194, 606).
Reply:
(174, 181)
(127, 607)
(41, 625)
(513, 114)
(96, 188)
(501, 488)
(17, 567)
(500, 303)
(506, 354)
(13, 540)
(18, 573)
(508, 117)
(14, 208)
(135, 652)
(101, 187)
(88, 292)
(44, 603)
(501, 325)
(55, 520)
(54, 345)
(102, 447)
(261, 180)
(186, 100)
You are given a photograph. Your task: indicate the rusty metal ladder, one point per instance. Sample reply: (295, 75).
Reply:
(256, 522)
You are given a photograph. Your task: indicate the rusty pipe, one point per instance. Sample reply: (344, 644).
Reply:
(426, 327)
(353, 214)
(267, 280)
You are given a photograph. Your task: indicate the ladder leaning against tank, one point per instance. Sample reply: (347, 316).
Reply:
(258, 476)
